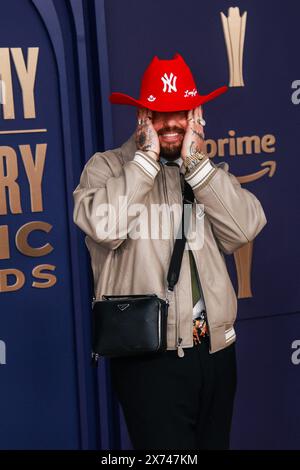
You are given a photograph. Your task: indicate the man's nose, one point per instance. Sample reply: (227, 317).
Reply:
(170, 121)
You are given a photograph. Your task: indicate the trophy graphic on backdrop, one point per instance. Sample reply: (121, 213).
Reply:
(234, 27)
(243, 263)
(2, 90)
(243, 256)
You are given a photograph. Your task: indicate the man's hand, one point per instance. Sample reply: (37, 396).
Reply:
(146, 137)
(194, 136)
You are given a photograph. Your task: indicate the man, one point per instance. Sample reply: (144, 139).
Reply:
(181, 398)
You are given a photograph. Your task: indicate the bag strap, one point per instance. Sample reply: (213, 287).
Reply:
(176, 258)
(177, 254)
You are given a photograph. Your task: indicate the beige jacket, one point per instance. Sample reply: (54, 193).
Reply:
(123, 264)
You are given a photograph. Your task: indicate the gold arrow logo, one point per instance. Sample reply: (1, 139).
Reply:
(270, 168)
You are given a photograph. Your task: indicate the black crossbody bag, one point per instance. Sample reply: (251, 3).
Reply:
(130, 325)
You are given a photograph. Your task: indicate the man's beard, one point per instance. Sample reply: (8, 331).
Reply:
(171, 151)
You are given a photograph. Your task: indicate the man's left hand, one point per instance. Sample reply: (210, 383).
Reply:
(194, 136)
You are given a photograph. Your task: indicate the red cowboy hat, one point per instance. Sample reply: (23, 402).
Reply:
(167, 85)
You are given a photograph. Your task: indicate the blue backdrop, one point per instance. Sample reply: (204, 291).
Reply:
(49, 396)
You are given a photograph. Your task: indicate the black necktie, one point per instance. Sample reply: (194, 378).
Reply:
(195, 286)
(184, 185)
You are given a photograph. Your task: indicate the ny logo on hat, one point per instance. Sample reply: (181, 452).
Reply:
(167, 82)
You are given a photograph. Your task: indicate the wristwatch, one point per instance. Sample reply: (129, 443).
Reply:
(192, 160)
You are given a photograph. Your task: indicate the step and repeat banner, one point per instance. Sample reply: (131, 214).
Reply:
(254, 127)
(43, 383)
(59, 61)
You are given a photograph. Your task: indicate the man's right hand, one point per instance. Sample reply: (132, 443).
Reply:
(146, 137)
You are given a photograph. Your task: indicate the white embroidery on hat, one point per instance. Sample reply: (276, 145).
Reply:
(167, 82)
(151, 98)
(188, 93)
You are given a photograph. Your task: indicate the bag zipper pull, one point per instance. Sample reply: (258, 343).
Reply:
(180, 350)
(168, 292)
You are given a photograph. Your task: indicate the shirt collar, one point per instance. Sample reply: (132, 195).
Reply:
(179, 161)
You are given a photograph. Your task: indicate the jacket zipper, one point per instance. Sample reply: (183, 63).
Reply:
(180, 350)
(201, 291)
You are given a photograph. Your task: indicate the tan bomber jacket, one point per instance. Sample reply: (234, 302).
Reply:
(120, 185)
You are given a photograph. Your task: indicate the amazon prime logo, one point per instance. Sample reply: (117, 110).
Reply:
(2, 353)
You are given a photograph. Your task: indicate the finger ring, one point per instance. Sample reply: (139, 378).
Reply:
(140, 122)
(201, 121)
